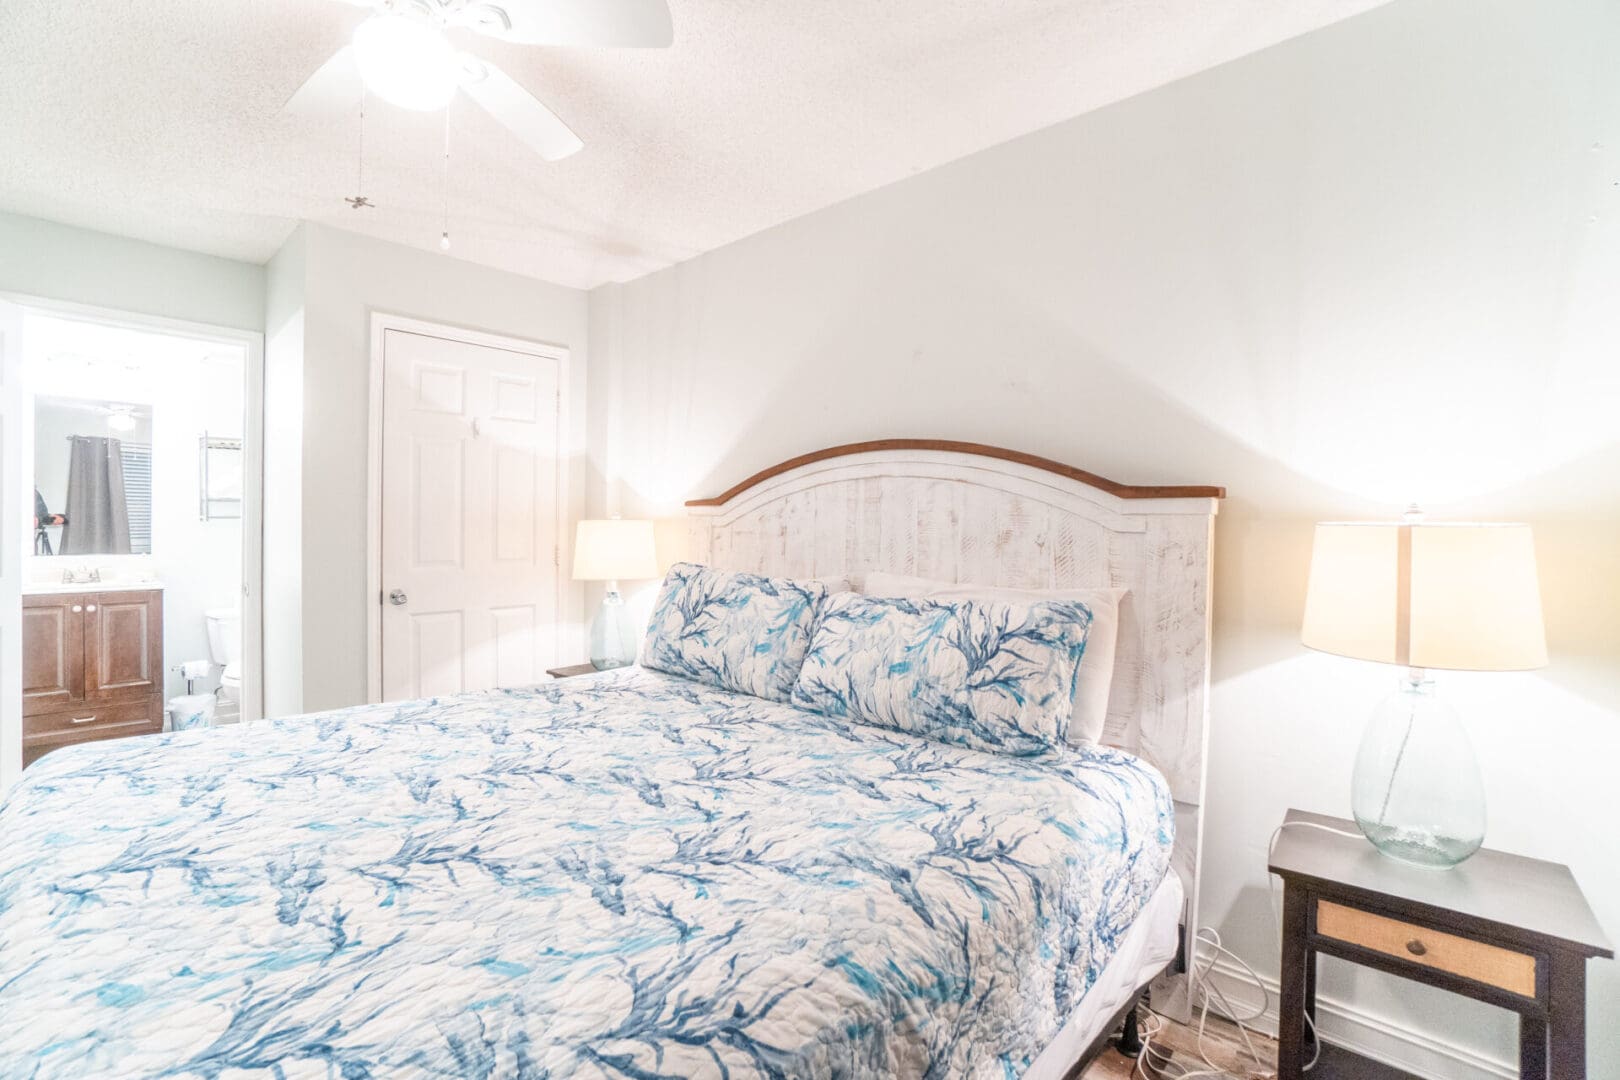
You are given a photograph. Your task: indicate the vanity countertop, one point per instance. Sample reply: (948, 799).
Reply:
(43, 588)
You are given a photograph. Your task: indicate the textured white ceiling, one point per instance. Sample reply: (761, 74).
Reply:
(161, 119)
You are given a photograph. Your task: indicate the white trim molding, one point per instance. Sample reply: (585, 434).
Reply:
(252, 344)
(1420, 1053)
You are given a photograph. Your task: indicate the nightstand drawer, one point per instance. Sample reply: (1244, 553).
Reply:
(1491, 965)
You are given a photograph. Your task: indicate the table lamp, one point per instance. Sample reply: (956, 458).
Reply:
(613, 550)
(1461, 597)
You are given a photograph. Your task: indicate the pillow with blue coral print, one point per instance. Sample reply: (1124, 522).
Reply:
(739, 632)
(991, 676)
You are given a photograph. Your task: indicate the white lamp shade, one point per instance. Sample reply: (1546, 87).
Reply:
(614, 550)
(1460, 597)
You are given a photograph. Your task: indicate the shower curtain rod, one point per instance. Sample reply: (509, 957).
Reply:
(124, 442)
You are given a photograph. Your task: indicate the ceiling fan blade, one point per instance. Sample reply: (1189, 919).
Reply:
(334, 87)
(635, 24)
(515, 107)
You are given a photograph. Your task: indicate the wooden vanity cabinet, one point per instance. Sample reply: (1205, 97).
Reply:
(92, 667)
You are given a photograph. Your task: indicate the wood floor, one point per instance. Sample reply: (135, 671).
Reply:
(1226, 1049)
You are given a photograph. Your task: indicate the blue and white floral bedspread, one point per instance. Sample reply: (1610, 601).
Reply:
(631, 876)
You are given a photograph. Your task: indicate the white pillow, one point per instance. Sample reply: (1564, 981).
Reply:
(900, 586)
(1096, 676)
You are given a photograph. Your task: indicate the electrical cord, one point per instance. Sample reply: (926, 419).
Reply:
(1202, 990)
(1207, 993)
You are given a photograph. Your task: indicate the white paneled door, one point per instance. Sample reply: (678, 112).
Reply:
(471, 514)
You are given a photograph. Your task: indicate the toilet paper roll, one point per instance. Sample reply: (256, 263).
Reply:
(195, 669)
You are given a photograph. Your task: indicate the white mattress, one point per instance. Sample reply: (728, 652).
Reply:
(1143, 952)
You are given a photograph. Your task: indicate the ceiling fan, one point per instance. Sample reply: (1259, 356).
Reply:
(401, 55)
(120, 417)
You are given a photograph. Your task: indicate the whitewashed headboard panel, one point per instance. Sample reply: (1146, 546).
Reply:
(981, 515)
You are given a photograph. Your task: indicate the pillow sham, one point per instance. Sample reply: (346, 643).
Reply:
(1096, 677)
(991, 676)
(741, 632)
(901, 586)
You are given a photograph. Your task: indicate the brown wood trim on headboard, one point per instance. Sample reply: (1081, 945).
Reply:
(1123, 491)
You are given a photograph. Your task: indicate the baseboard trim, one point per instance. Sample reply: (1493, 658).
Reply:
(1418, 1052)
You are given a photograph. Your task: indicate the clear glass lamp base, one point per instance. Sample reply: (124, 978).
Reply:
(1417, 792)
(612, 645)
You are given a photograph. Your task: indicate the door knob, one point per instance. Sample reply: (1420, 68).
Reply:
(397, 597)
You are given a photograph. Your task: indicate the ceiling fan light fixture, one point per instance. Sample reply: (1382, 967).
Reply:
(406, 62)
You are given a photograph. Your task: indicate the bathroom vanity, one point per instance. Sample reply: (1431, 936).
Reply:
(92, 664)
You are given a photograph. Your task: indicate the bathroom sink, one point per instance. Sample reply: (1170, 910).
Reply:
(41, 588)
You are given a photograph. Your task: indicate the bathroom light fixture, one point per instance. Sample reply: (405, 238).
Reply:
(121, 420)
(406, 62)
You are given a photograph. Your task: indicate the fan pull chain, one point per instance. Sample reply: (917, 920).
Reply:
(444, 236)
(359, 200)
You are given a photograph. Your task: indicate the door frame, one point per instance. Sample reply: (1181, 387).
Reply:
(381, 323)
(252, 344)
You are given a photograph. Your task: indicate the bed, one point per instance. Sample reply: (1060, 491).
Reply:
(628, 875)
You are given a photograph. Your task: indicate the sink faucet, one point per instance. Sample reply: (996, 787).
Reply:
(80, 576)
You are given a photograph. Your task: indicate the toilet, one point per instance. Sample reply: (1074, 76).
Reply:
(225, 648)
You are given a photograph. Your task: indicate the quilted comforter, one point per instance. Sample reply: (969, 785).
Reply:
(623, 876)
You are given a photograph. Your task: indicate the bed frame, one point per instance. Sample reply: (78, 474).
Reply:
(982, 515)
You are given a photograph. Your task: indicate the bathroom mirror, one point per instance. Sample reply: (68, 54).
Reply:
(92, 477)
(221, 481)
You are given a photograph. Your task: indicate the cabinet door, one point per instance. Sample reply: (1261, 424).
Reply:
(123, 646)
(53, 652)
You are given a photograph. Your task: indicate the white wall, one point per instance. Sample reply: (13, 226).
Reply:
(345, 277)
(284, 479)
(313, 302)
(60, 262)
(1373, 264)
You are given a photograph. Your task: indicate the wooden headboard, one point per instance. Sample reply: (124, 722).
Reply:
(982, 515)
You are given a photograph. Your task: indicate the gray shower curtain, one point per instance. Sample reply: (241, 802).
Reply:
(97, 514)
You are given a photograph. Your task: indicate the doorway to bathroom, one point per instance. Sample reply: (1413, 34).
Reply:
(139, 453)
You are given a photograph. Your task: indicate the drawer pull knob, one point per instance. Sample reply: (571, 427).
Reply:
(82, 720)
(77, 608)
(1416, 947)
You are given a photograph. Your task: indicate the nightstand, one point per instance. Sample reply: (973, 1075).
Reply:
(571, 670)
(1500, 928)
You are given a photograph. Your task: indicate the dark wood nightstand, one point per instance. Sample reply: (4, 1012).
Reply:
(571, 670)
(1500, 928)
